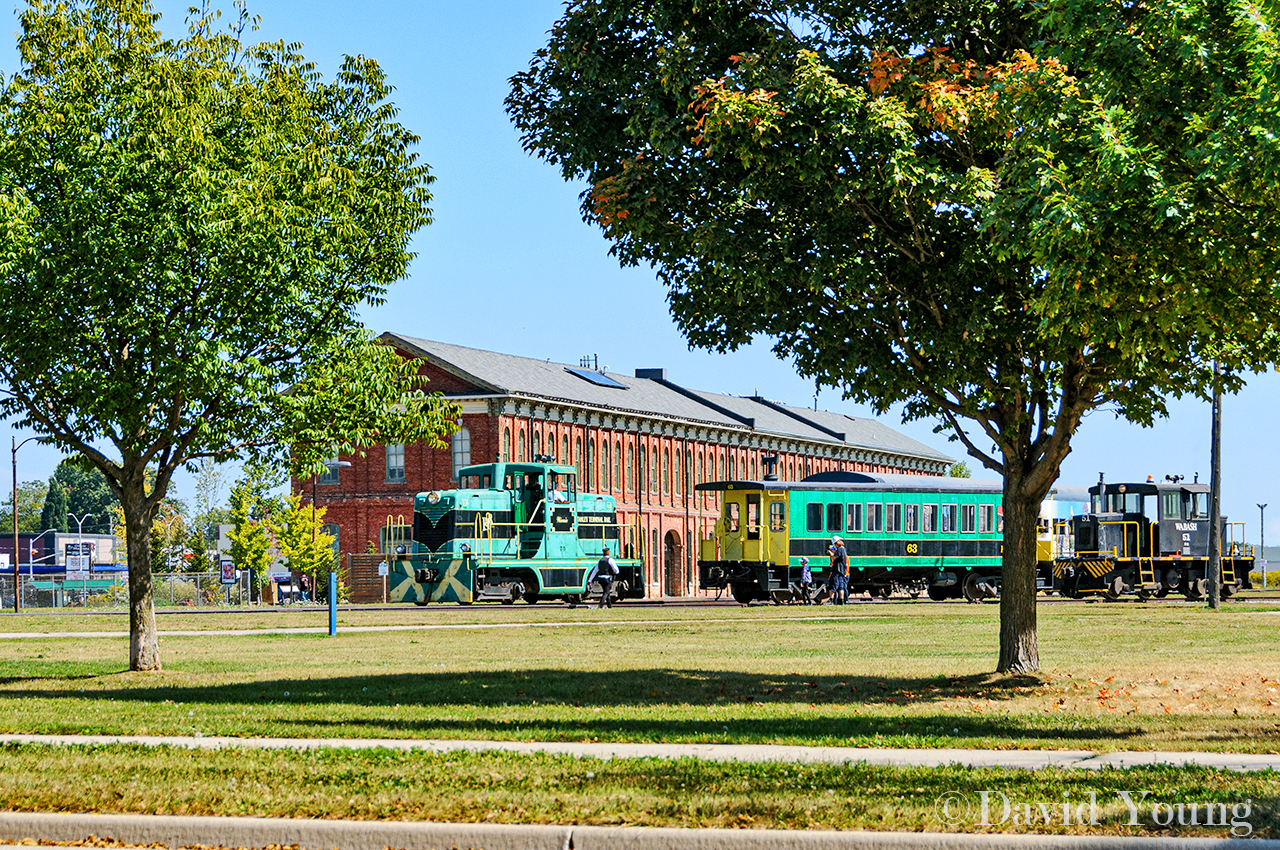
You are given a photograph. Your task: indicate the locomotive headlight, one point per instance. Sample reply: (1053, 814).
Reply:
(433, 498)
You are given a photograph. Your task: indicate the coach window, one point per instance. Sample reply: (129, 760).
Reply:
(1170, 505)
(814, 518)
(929, 515)
(894, 520)
(875, 517)
(731, 516)
(967, 513)
(986, 518)
(835, 517)
(855, 517)
(913, 519)
(948, 519)
(777, 516)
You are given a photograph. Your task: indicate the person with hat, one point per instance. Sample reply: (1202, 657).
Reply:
(604, 572)
(839, 571)
(806, 581)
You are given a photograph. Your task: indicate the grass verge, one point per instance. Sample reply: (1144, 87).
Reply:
(506, 788)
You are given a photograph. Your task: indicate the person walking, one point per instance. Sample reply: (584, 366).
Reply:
(306, 587)
(806, 581)
(604, 572)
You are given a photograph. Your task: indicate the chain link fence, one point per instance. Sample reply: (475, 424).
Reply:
(108, 591)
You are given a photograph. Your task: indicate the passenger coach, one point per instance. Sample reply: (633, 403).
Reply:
(904, 533)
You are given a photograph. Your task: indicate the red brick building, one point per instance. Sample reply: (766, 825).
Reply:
(643, 439)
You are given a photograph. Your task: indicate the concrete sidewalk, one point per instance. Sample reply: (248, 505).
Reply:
(890, 757)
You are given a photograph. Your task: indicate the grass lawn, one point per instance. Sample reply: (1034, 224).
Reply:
(1116, 677)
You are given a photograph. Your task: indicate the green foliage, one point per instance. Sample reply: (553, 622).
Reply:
(959, 469)
(196, 222)
(299, 538)
(1000, 215)
(31, 496)
(54, 512)
(200, 557)
(88, 494)
(251, 542)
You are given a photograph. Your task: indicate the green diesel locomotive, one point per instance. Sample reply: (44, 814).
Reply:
(513, 531)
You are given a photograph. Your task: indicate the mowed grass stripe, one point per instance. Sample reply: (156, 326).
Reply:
(1117, 677)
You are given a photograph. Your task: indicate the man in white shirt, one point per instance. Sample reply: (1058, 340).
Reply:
(605, 571)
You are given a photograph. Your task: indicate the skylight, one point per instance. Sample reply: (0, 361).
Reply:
(600, 379)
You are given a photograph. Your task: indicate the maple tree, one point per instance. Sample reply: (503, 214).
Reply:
(964, 209)
(189, 228)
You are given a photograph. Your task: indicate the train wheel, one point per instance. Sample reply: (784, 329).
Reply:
(1115, 589)
(574, 600)
(531, 598)
(1195, 589)
(882, 592)
(743, 593)
(1228, 591)
(970, 588)
(1144, 593)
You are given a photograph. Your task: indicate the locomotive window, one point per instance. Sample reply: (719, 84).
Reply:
(835, 517)
(913, 519)
(948, 519)
(893, 523)
(929, 513)
(731, 516)
(1097, 504)
(777, 516)
(753, 516)
(814, 518)
(1170, 505)
(1199, 506)
(967, 514)
(875, 517)
(855, 517)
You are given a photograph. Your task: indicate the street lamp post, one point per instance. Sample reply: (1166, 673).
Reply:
(1262, 540)
(80, 551)
(17, 597)
(333, 573)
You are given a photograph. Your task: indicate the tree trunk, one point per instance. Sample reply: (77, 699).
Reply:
(1019, 645)
(144, 644)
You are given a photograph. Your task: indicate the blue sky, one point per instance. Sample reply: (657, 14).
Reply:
(510, 266)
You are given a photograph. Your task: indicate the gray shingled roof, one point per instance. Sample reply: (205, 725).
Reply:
(507, 374)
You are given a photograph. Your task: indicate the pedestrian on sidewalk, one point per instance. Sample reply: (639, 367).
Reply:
(839, 571)
(806, 581)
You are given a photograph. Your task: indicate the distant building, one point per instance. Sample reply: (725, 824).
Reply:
(643, 439)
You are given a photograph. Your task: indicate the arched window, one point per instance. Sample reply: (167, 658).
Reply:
(641, 470)
(732, 467)
(565, 457)
(630, 465)
(606, 483)
(506, 444)
(666, 470)
(580, 460)
(537, 446)
(520, 447)
(461, 450)
(702, 467)
(654, 481)
(617, 465)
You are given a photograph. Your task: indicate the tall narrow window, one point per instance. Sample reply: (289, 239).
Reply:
(666, 471)
(520, 448)
(641, 469)
(617, 464)
(565, 457)
(537, 445)
(654, 481)
(461, 450)
(630, 466)
(578, 459)
(395, 463)
(506, 445)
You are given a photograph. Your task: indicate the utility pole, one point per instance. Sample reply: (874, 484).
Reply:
(1214, 567)
(1262, 541)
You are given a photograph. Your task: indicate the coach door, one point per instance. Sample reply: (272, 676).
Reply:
(777, 543)
(735, 511)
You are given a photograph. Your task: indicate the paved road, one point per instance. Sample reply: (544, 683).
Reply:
(893, 757)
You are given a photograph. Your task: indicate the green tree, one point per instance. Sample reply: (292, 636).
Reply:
(196, 222)
(53, 515)
(250, 534)
(959, 469)
(88, 494)
(31, 496)
(300, 541)
(870, 184)
(200, 558)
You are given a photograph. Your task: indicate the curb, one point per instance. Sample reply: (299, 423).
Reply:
(239, 832)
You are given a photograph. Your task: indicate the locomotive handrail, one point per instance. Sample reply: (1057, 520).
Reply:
(1137, 534)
